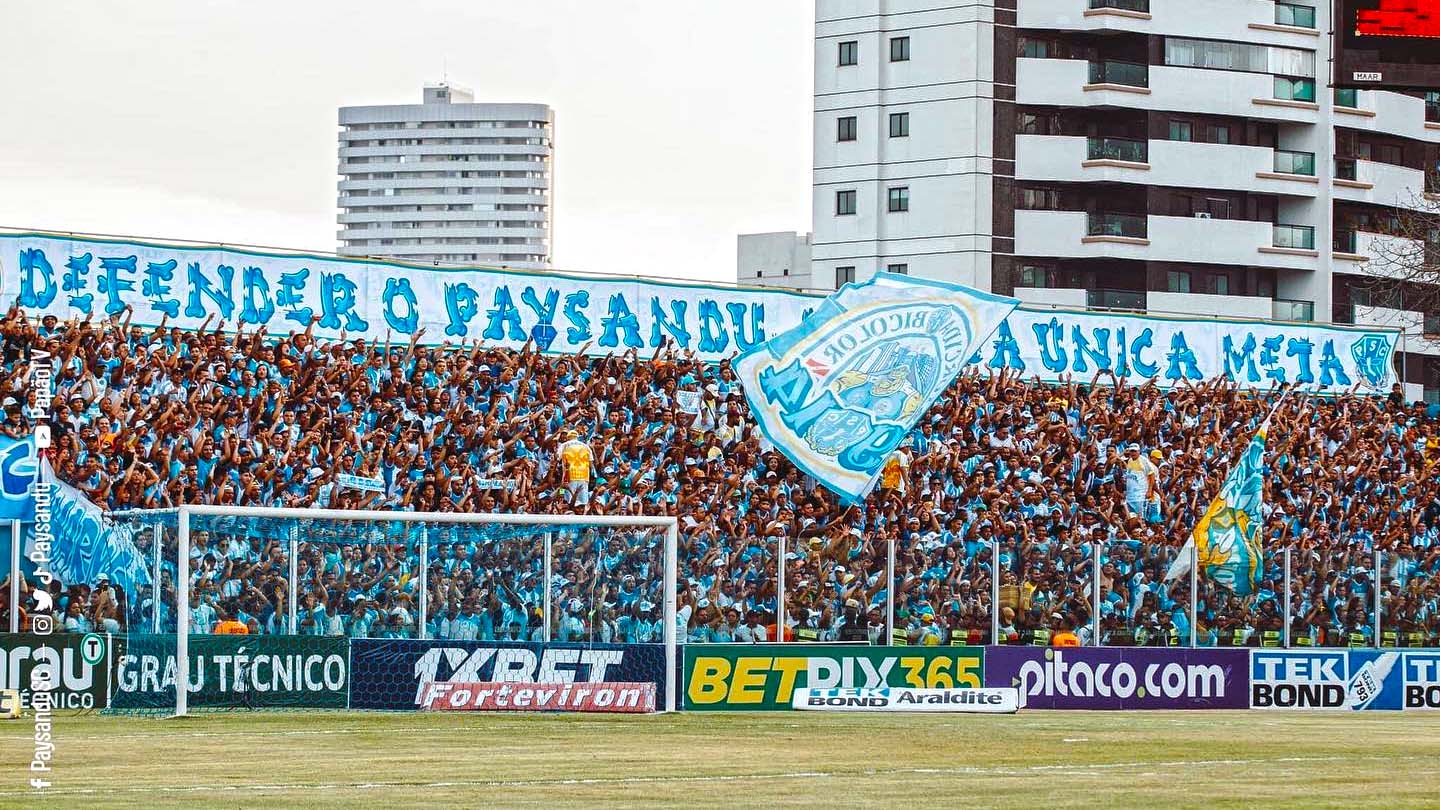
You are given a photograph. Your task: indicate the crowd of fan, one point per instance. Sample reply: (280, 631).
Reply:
(1038, 479)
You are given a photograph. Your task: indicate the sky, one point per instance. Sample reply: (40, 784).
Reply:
(679, 123)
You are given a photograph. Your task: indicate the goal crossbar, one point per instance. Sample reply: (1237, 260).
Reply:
(183, 514)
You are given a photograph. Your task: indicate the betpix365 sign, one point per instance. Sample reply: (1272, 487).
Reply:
(765, 676)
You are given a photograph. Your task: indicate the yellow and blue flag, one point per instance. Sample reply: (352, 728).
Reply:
(1227, 537)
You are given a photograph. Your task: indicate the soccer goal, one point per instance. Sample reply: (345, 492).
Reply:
(259, 607)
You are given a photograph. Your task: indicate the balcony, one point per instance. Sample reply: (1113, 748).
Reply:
(1123, 74)
(1063, 83)
(1124, 226)
(1294, 237)
(1288, 162)
(1345, 169)
(1116, 299)
(1344, 241)
(1064, 234)
(1126, 150)
(1383, 184)
(1285, 309)
(1294, 16)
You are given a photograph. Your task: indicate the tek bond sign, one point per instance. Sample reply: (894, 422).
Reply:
(563, 313)
(1345, 679)
(765, 676)
(1121, 677)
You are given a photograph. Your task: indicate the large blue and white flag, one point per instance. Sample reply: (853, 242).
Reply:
(838, 393)
(83, 545)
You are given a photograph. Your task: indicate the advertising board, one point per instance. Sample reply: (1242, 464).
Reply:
(398, 673)
(1345, 679)
(501, 696)
(1121, 677)
(765, 676)
(234, 672)
(78, 667)
(905, 699)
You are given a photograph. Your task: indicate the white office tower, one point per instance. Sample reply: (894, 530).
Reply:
(448, 181)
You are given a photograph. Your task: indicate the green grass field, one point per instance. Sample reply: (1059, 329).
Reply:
(1031, 760)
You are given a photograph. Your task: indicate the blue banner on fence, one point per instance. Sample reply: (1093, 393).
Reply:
(1121, 677)
(391, 673)
(83, 545)
(563, 313)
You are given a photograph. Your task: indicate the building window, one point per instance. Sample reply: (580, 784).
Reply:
(899, 199)
(899, 125)
(843, 276)
(785, 271)
(1177, 281)
(845, 128)
(849, 53)
(1034, 48)
(759, 274)
(1287, 89)
(1040, 199)
(899, 49)
(898, 269)
(1180, 131)
(845, 202)
(1219, 134)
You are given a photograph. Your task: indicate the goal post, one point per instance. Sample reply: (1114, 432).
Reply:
(283, 527)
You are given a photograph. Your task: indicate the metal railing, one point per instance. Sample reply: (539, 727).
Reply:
(1124, 5)
(1290, 162)
(1128, 149)
(1115, 299)
(1299, 237)
(1102, 224)
(1130, 74)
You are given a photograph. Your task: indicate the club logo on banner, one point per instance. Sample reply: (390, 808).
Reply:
(838, 393)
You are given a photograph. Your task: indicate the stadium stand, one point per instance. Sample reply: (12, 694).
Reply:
(155, 417)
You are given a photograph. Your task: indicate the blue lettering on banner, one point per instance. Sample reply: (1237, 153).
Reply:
(1366, 679)
(561, 313)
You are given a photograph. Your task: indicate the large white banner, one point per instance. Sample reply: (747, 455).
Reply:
(838, 393)
(562, 313)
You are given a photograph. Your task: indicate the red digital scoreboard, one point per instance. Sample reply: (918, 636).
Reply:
(1387, 44)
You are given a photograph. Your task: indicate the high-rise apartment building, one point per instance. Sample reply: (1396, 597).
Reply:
(448, 181)
(1162, 155)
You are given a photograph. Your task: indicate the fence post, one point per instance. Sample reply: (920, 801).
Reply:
(1289, 617)
(889, 591)
(1379, 556)
(182, 614)
(1095, 594)
(1194, 593)
(995, 591)
(549, 596)
(157, 537)
(293, 598)
(424, 600)
(15, 577)
(780, 622)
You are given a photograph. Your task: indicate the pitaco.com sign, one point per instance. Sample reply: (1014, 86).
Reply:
(1121, 677)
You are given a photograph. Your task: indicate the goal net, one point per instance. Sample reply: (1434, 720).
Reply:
(313, 608)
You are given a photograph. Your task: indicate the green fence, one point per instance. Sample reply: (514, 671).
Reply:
(233, 672)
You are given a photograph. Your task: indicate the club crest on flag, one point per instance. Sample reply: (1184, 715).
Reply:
(838, 393)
